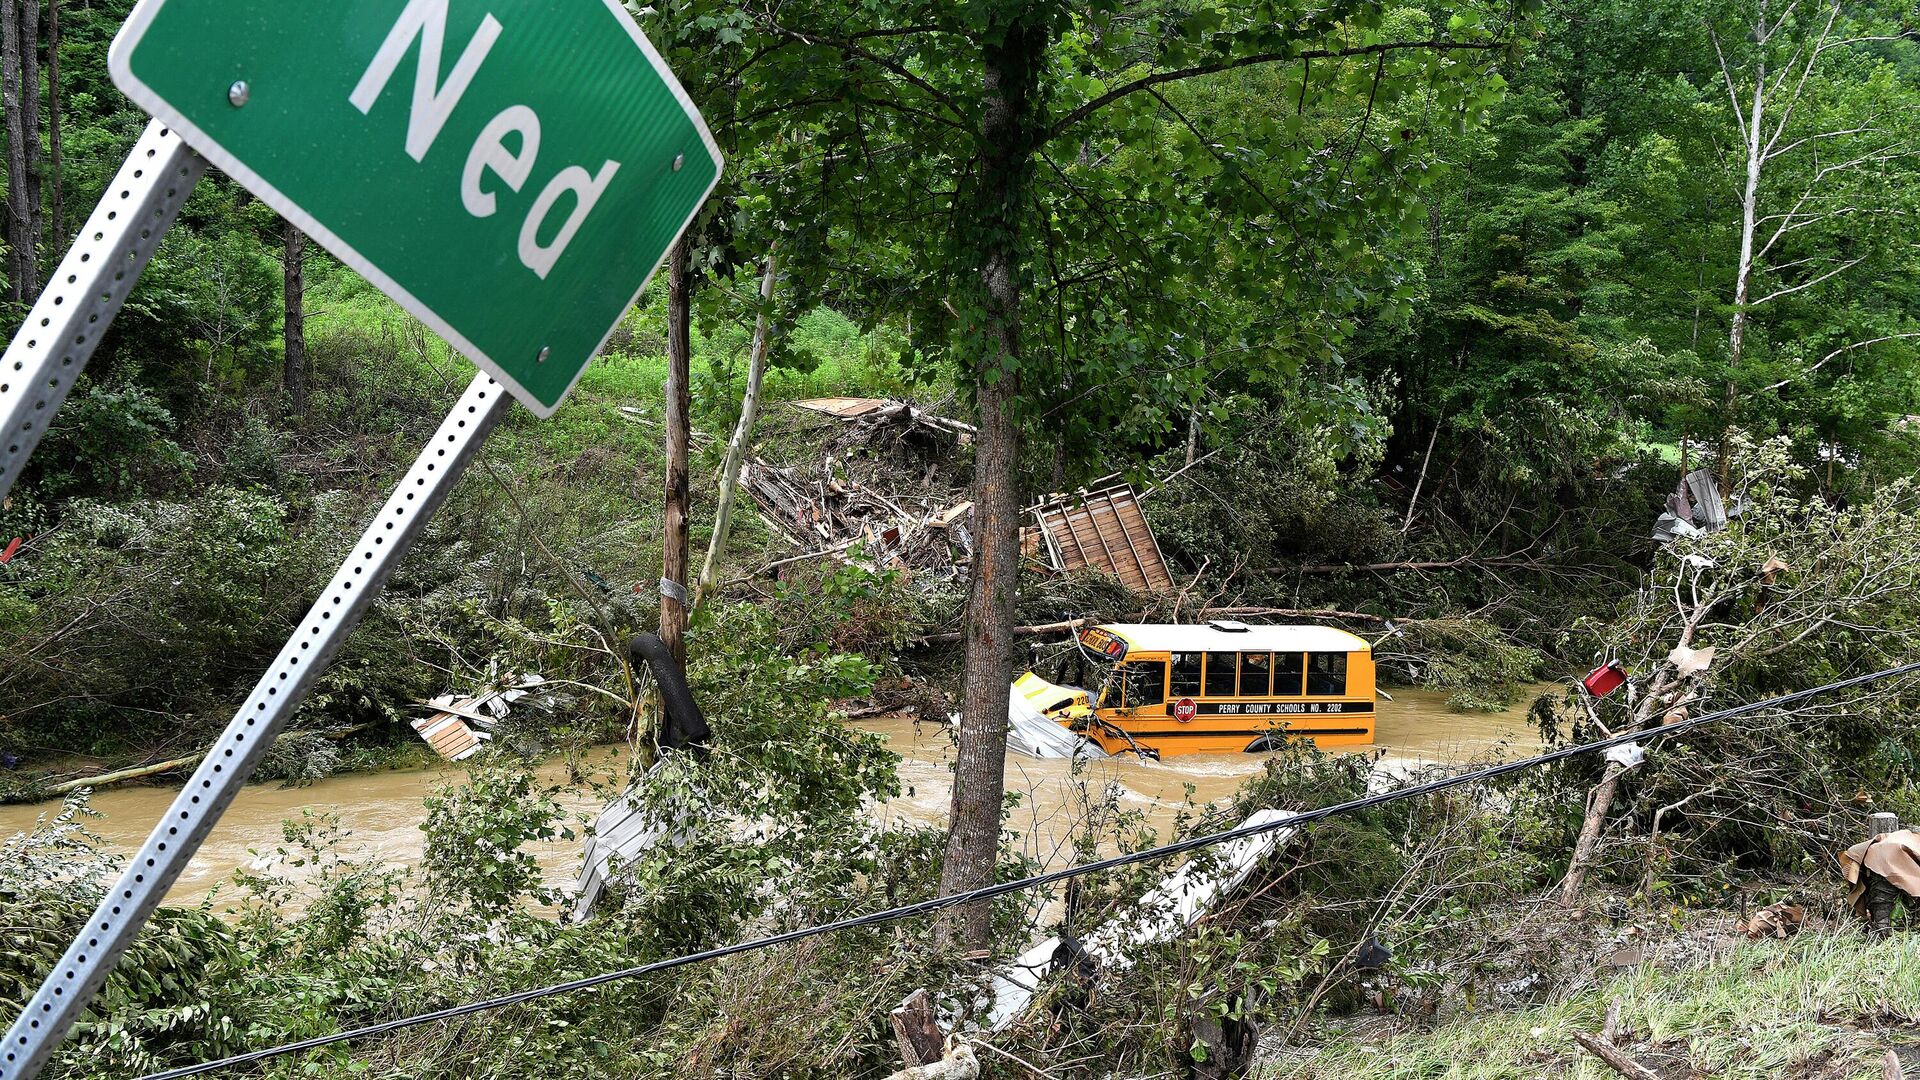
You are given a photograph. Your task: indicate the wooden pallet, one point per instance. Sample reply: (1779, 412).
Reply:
(1103, 529)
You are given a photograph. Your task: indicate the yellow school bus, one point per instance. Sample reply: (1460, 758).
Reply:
(1217, 687)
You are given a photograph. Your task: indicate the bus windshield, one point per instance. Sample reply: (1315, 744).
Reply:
(1083, 670)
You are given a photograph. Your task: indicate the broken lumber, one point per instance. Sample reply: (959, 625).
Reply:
(959, 1064)
(917, 1030)
(135, 773)
(1615, 1059)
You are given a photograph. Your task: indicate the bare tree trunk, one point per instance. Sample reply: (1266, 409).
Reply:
(1743, 271)
(30, 102)
(22, 258)
(1011, 65)
(1668, 687)
(742, 432)
(1599, 803)
(293, 372)
(1422, 481)
(1193, 435)
(57, 170)
(674, 540)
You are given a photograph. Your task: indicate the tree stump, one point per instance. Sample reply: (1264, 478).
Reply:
(918, 1031)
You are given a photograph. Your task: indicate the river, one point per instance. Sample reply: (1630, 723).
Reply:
(382, 811)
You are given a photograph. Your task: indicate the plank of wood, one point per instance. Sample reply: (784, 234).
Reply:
(1614, 1057)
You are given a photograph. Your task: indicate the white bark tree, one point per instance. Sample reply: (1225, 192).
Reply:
(1808, 159)
(742, 432)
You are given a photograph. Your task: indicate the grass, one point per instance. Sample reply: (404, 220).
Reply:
(1819, 1005)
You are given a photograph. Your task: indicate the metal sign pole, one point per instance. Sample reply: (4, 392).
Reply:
(232, 759)
(47, 354)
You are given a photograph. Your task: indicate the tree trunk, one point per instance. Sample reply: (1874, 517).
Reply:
(1414, 501)
(294, 374)
(21, 262)
(30, 103)
(1012, 62)
(120, 775)
(1743, 271)
(1597, 808)
(742, 433)
(1667, 688)
(57, 170)
(673, 542)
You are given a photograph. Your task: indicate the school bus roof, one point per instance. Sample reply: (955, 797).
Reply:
(1223, 636)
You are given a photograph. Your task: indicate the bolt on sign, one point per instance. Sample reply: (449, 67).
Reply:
(510, 171)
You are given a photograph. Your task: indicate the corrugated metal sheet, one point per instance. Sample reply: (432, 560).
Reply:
(626, 830)
(1103, 529)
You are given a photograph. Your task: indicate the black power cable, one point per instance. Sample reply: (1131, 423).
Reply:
(988, 892)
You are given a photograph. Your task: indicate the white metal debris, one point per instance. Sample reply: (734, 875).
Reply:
(1036, 735)
(1186, 895)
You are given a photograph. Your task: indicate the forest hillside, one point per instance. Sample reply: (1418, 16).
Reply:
(1527, 342)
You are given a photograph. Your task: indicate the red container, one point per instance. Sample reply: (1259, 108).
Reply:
(1605, 679)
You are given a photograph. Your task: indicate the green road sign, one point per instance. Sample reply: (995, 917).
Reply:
(510, 171)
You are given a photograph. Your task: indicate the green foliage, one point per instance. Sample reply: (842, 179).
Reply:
(1469, 657)
(111, 441)
(1769, 789)
(769, 703)
(476, 833)
(1279, 487)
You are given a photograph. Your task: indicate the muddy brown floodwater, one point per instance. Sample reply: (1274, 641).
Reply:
(382, 812)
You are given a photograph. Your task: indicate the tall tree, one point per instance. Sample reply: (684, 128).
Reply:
(20, 88)
(1081, 210)
(1813, 156)
(742, 431)
(55, 148)
(294, 374)
(674, 598)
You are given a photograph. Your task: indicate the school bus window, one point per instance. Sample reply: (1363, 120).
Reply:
(1185, 679)
(1254, 677)
(1288, 669)
(1145, 683)
(1327, 674)
(1221, 670)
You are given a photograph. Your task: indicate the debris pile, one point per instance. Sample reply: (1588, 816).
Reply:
(881, 412)
(460, 725)
(828, 512)
(886, 483)
(1694, 508)
(886, 480)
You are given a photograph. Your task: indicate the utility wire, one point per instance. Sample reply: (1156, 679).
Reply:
(988, 892)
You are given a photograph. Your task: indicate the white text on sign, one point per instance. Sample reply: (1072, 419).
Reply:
(425, 21)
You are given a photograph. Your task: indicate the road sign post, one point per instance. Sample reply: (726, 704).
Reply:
(275, 699)
(67, 322)
(510, 171)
